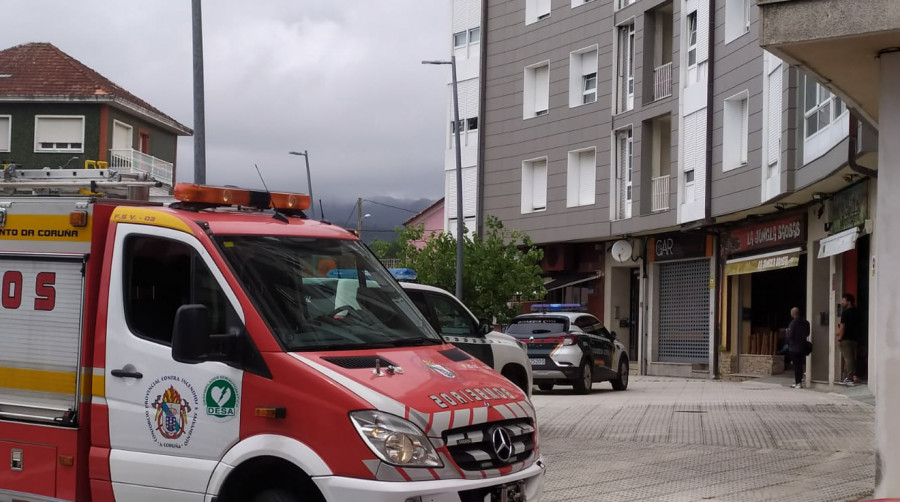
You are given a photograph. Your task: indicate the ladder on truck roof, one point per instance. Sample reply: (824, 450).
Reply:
(105, 182)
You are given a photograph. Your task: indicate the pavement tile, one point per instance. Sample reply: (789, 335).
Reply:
(690, 439)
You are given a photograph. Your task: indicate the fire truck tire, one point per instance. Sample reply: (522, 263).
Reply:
(275, 496)
(546, 387)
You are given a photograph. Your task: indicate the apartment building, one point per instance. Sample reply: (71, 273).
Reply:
(853, 50)
(686, 186)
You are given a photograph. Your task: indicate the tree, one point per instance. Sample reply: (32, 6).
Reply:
(502, 266)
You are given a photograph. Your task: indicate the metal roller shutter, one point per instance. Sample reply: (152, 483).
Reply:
(684, 311)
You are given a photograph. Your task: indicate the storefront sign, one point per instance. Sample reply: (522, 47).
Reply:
(782, 232)
(763, 263)
(849, 208)
(679, 246)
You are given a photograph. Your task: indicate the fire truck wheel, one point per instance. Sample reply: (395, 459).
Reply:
(275, 496)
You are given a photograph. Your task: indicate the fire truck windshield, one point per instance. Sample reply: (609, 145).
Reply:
(324, 294)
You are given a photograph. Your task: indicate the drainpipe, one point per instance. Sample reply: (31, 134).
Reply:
(852, 149)
(479, 155)
(710, 101)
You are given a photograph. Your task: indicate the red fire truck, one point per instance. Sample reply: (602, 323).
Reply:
(227, 348)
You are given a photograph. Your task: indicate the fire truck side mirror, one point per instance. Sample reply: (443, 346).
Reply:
(190, 335)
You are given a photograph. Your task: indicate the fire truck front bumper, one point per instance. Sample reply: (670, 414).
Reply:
(525, 486)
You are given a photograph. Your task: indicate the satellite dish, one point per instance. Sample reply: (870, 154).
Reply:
(621, 250)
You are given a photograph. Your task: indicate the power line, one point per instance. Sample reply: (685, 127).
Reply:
(392, 207)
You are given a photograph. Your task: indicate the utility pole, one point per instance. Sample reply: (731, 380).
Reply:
(359, 217)
(199, 112)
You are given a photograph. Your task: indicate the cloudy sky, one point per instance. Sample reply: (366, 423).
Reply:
(341, 79)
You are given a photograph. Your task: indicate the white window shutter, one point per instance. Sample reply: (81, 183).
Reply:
(469, 190)
(773, 134)
(450, 198)
(539, 184)
(4, 134)
(543, 7)
(702, 30)
(541, 88)
(587, 177)
(745, 117)
(695, 151)
(60, 130)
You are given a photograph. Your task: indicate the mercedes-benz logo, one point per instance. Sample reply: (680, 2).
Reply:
(502, 443)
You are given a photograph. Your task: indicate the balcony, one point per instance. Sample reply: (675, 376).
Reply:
(660, 193)
(835, 40)
(662, 81)
(134, 162)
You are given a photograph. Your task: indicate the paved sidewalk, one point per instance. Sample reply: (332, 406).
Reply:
(670, 439)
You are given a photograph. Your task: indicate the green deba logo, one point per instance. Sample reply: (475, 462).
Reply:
(221, 398)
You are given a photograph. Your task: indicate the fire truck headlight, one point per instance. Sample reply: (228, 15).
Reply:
(395, 440)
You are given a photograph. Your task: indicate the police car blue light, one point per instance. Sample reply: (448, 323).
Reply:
(403, 274)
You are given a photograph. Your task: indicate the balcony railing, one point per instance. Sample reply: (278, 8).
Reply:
(132, 161)
(660, 196)
(662, 81)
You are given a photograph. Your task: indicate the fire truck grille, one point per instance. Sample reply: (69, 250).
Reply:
(491, 445)
(358, 362)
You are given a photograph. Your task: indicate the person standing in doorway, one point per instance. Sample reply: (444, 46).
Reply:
(848, 338)
(797, 333)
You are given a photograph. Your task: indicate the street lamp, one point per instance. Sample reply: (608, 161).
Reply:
(308, 182)
(459, 202)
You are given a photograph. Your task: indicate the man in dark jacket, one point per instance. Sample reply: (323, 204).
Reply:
(797, 333)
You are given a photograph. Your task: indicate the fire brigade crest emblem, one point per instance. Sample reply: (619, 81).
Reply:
(171, 405)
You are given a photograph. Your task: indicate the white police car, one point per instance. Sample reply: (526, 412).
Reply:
(449, 317)
(570, 348)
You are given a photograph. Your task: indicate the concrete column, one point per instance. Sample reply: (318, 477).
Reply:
(887, 253)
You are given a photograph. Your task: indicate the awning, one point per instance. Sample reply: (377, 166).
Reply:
(563, 281)
(762, 263)
(838, 243)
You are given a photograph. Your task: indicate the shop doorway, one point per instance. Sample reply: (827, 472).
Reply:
(634, 314)
(766, 299)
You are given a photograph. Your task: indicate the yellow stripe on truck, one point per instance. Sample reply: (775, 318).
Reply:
(99, 385)
(59, 382)
(41, 227)
(145, 216)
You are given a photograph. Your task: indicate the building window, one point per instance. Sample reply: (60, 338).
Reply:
(689, 176)
(534, 185)
(692, 38)
(581, 180)
(5, 132)
(576, 3)
(475, 35)
(536, 10)
(459, 39)
(472, 123)
(621, 4)
(589, 88)
(737, 19)
(56, 133)
(821, 108)
(583, 77)
(624, 173)
(735, 132)
(625, 68)
(537, 90)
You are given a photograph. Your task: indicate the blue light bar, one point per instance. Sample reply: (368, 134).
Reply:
(556, 307)
(345, 273)
(404, 274)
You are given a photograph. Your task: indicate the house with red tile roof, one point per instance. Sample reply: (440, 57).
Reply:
(55, 112)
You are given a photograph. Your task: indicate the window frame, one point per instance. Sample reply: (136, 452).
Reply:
(735, 131)
(531, 87)
(37, 143)
(529, 187)
(825, 99)
(691, 29)
(737, 20)
(575, 178)
(8, 134)
(582, 65)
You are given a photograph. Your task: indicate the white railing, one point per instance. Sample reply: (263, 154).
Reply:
(662, 81)
(133, 161)
(660, 195)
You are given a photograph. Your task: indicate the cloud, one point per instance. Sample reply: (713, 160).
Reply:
(342, 80)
